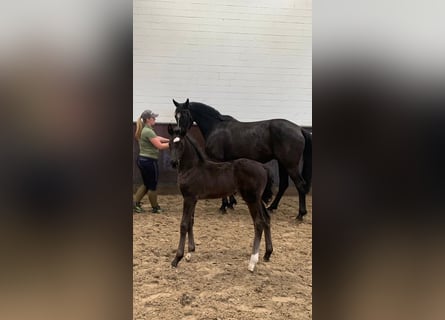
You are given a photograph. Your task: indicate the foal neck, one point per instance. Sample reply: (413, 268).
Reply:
(193, 155)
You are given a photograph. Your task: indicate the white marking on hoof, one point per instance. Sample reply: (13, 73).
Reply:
(188, 257)
(253, 260)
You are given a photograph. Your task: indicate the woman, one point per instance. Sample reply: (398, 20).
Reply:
(149, 145)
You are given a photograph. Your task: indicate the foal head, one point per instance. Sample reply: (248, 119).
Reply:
(177, 144)
(183, 116)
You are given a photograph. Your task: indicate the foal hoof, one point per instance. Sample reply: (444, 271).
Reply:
(174, 263)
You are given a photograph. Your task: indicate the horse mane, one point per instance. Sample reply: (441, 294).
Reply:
(209, 111)
(201, 155)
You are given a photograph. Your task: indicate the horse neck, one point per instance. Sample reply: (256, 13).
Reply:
(205, 121)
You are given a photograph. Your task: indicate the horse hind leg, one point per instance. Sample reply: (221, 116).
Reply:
(302, 211)
(284, 183)
(267, 234)
(301, 188)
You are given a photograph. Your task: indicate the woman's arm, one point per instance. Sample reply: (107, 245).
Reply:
(160, 143)
(163, 139)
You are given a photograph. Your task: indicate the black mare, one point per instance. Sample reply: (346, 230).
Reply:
(227, 139)
(200, 178)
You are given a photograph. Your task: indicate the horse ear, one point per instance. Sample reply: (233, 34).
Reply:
(186, 104)
(170, 129)
(176, 104)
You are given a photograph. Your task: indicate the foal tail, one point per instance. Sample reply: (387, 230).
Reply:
(307, 160)
(267, 193)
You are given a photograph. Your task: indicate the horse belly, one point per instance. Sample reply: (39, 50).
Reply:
(232, 149)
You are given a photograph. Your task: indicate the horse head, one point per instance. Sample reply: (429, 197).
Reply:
(183, 116)
(176, 144)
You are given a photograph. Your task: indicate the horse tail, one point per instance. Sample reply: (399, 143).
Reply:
(307, 160)
(267, 193)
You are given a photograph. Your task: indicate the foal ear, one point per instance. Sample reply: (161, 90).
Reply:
(182, 131)
(176, 104)
(170, 129)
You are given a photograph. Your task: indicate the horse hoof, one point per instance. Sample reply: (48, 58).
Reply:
(223, 211)
(231, 207)
(174, 263)
(300, 218)
(251, 267)
(188, 257)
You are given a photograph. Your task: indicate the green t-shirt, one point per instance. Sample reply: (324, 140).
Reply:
(146, 148)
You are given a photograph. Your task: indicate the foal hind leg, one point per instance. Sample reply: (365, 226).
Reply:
(258, 227)
(284, 183)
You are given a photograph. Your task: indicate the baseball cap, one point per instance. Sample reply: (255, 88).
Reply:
(148, 114)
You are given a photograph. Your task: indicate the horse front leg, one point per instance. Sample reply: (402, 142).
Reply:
(284, 183)
(224, 204)
(232, 202)
(187, 213)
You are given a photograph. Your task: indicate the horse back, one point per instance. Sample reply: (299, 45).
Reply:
(261, 140)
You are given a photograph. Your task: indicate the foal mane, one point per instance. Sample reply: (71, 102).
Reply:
(201, 155)
(210, 111)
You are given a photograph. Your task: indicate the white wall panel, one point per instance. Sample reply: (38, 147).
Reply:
(249, 59)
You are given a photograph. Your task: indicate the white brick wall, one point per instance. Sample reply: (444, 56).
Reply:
(249, 59)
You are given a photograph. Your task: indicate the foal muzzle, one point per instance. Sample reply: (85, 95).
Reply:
(174, 163)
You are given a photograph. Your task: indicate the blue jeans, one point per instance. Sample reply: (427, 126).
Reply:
(149, 171)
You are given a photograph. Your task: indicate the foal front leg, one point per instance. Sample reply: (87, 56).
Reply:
(187, 214)
(191, 237)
